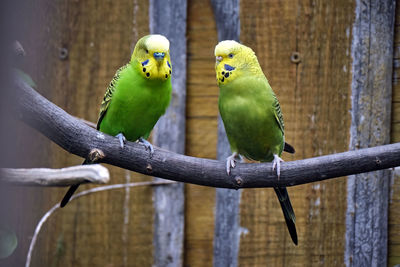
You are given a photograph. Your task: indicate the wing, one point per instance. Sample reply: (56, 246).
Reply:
(279, 119)
(289, 148)
(278, 114)
(108, 95)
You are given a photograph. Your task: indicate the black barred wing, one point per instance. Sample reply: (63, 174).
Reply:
(108, 95)
(278, 114)
(279, 119)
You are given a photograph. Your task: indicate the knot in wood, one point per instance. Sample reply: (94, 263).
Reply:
(295, 57)
(63, 53)
(378, 161)
(95, 155)
(239, 181)
(149, 168)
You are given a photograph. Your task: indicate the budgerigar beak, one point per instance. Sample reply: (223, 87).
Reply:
(159, 56)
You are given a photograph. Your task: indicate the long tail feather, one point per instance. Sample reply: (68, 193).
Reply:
(288, 212)
(71, 190)
(68, 195)
(288, 148)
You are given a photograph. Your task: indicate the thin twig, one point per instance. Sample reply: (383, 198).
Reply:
(56, 177)
(81, 194)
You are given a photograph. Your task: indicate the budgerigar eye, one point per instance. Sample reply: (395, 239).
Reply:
(230, 55)
(147, 51)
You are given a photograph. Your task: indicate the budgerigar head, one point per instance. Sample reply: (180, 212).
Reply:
(233, 60)
(151, 56)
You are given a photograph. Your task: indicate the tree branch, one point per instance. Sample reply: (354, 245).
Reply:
(79, 139)
(56, 177)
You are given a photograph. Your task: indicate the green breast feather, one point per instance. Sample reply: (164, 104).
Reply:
(252, 118)
(133, 104)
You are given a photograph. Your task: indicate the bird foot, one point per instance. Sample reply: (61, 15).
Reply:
(122, 139)
(276, 163)
(147, 145)
(231, 162)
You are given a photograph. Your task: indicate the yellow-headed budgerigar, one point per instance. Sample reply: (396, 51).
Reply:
(137, 96)
(251, 114)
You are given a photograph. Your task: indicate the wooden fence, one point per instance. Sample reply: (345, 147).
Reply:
(331, 64)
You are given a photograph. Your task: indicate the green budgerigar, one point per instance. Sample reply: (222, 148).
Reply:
(137, 96)
(251, 114)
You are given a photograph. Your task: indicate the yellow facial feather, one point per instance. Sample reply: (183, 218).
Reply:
(234, 60)
(151, 56)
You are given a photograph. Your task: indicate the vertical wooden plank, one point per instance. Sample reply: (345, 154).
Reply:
(227, 220)
(169, 18)
(394, 197)
(99, 42)
(16, 209)
(315, 98)
(368, 193)
(201, 130)
(98, 36)
(33, 150)
(393, 222)
(395, 127)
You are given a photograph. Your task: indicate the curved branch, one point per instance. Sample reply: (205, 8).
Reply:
(79, 139)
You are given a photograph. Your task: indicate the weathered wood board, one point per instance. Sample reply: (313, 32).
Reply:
(315, 99)
(201, 130)
(76, 49)
(394, 199)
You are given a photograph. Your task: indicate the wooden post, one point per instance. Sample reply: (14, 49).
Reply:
(227, 217)
(169, 18)
(367, 200)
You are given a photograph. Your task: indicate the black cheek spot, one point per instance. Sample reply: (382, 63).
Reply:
(144, 69)
(148, 74)
(223, 72)
(222, 80)
(227, 75)
(170, 71)
(166, 76)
